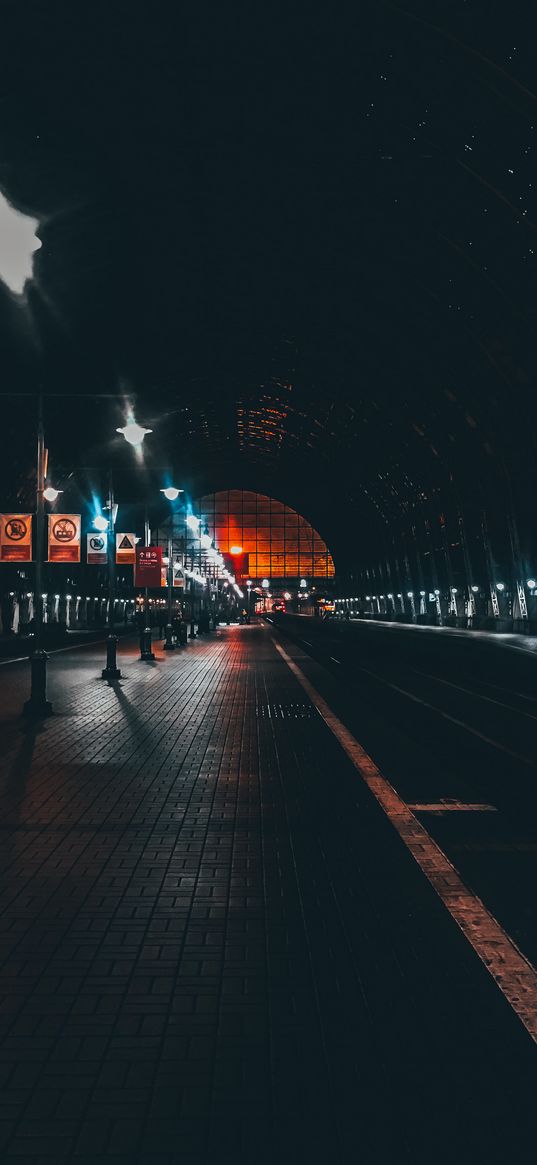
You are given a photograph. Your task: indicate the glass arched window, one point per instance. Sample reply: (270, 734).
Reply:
(279, 542)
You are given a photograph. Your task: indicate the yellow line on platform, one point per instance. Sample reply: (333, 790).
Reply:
(512, 972)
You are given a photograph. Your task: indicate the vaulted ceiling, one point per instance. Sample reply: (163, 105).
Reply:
(306, 244)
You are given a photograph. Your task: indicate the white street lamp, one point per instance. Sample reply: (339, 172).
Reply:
(171, 493)
(133, 433)
(50, 494)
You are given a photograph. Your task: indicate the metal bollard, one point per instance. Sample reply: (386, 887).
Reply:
(111, 671)
(145, 644)
(168, 644)
(38, 705)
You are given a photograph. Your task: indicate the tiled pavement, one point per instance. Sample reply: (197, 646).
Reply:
(216, 949)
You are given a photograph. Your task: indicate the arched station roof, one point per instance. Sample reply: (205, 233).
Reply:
(308, 247)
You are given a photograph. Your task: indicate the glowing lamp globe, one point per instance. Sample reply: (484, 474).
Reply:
(133, 433)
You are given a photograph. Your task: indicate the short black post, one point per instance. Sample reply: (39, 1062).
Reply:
(145, 644)
(38, 705)
(168, 644)
(111, 671)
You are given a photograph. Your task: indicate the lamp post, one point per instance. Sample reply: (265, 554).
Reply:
(111, 671)
(193, 524)
(134, 435)
(146, 651)
(171, 493)
(37, 705)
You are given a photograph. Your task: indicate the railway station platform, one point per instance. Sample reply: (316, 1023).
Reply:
(226, 937)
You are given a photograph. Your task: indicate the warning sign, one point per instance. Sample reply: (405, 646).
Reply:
(64, 537)
(148, 567)
(178, 579)
(15, 537)
(97, 549)
(125, 548)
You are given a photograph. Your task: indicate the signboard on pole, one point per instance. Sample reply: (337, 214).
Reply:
(64, 537)
(178, 578)
(97, 549)
(147, 571)
(125, 549)
(15, 537)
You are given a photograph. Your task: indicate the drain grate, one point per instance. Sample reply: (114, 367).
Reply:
(286, 711)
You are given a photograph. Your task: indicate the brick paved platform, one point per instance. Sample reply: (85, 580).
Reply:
(215, 948)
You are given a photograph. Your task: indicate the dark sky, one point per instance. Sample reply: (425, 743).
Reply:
(310, 238)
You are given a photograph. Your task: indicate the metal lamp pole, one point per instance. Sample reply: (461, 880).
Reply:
(37, 704)
(146, 651)
(169, 645)
(111, 671)
(192, 632)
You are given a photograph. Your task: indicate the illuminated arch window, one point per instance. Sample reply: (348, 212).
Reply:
(279, 542)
